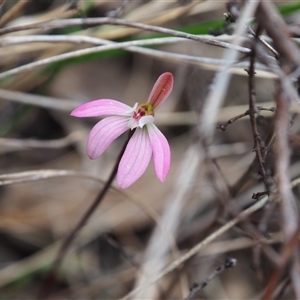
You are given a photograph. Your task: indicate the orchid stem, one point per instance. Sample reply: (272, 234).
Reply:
(50, 279)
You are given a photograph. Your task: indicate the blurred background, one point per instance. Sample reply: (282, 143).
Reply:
(47, 181)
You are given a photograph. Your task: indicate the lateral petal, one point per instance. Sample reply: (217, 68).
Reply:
(161, 152)
(135, 160)
(161, 89)
(104, 133)
(102, 107)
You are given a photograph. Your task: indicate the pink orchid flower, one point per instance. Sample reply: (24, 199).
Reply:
(146, 140)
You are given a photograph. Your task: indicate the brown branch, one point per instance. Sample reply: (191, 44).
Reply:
(246, 113)
(266, 44)
(247, 174)
(197, 287)
(259, 145)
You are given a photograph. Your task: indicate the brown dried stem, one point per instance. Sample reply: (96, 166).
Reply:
(229, 263)
(246, 113)
(259, 145)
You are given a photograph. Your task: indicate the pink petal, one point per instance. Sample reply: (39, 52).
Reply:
(102, 107)
(161, 152)
(103, 133)
(161, 89)
(135, 159)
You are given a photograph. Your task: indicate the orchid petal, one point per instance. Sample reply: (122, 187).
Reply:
(102, 107)
(133, 123)
(135, 159)
(104, 133)
(161, 89)
(145, 120)
(161, 152)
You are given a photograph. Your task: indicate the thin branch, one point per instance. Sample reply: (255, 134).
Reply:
(232, 16)
(36, 175)
(235, 244)
(78, 53)
(150, 52)
(252, 167)
(62, 23)
(169, 56)
(238, 117)
(37, 100)
(259, 145)
(23, 144)
(197, 287)
(6, 41)
(173, 118)
(264, 42)
(80, 39)
(74, 39)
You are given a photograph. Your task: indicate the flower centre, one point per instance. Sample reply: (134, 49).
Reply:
(143, 109)
(142, 114)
